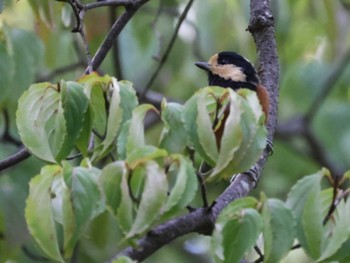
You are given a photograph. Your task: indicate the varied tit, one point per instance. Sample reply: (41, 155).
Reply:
(230, 70)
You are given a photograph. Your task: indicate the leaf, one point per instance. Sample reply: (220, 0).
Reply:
(38, 213)
(304, 200)
(184, 187)
(174, 136)
(128, 99)
(192, 118)
(205, 132)
(87, 201)
(279, 230)
(75, 107)
(114, 118)
(143, 154)
(236, 232)
(340, 231)
(136, 137)
(125, 215)
(255, 134)
(36, 107)
(110, 181)
(122, 140)
(230, 141)
(153, 197)
(83, 140)
(94, 87)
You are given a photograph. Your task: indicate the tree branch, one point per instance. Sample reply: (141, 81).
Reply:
(202, 220)
(14, 159)
(168, 49)
(114, 3)
(117, 27)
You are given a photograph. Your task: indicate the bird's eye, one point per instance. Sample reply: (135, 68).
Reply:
(224, 61)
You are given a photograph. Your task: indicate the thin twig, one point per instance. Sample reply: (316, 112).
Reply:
(203, 189)
(168, 49)
(79, 13)
(261, 255)
(14, 159)
(333, 205)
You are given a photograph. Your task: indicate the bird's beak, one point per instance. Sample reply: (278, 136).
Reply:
(203, 65)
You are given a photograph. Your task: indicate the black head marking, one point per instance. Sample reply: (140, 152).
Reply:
(229, 69)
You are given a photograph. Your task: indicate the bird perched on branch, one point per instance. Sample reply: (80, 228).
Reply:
(230, 70)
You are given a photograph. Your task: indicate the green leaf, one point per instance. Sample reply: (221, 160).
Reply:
(190, 118)
(153, 197)
(87, 200)
(204, 127)
(253, 130)
(304, 200)
(114, 118)
(279, 230)
(174, 136)
(136, 136)
(342, 255)
(340, 230)
(110, 181)
(83, 141)
(125, 215)
(235, 233)
(185, 186)
(128, 99)
(75, 108)
(230, 141)
(94, 87)
(143, 154)
(244, 136)
(38, 213)
(122, 140)
(36, 107)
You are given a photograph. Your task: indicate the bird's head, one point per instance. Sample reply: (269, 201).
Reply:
(230, 70)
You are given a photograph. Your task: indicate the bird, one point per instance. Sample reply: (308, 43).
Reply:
(229, 69)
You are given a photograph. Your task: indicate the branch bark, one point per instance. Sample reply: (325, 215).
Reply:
(202, 220)
(14, 159)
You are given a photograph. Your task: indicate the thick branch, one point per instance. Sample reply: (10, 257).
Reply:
(202, 220)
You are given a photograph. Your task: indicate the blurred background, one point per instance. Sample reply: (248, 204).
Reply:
(313, 40)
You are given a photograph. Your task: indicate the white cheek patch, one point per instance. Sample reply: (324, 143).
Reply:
(229, 71)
